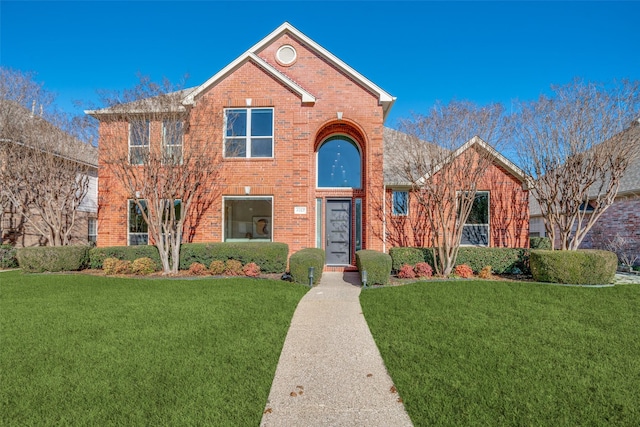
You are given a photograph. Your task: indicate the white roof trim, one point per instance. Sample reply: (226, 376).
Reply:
(242, 59)
(500, 159)
(385, 99)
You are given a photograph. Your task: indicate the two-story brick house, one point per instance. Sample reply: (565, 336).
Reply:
(303, 147)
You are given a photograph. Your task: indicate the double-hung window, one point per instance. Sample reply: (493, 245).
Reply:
(248, 132)
(92, 235)
(476, 229)
(400, 200)
(138, 230)
(138, 141)
(172, 135)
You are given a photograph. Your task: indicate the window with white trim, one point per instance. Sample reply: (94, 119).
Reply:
(476, 229)
(400, 201)
(248, 219)
(92, 234)
(139, 135)
(138, 231)
(172, 136)
(248, 132)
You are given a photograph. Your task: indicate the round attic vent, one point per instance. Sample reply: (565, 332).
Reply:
(286, 55)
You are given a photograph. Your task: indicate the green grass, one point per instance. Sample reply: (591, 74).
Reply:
(82, 350)
(499, 353)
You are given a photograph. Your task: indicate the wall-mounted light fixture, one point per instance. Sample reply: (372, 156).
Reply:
(247, 190)
(339, 114)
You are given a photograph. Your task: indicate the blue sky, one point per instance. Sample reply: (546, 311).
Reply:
(419, 52)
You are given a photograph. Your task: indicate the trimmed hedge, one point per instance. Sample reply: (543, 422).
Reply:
(581, 267)
(502, 260)
(377, 264)
(8, 256)
(271, 257)
(300, 262)
(124, 253)
(53, 258)
(401, 256)
(540, 243)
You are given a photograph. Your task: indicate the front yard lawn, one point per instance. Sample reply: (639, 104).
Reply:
(508, 353)
(85, 350)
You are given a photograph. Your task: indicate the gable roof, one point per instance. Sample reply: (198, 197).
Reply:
(393, 141)
(241, 60)
(384, 98)
(48, 137)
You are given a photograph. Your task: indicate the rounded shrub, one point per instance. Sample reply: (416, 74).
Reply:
(463, 270)
(581, 267)
(485, 273)
(197, 269)
(109, 266)
(233, 267)
(377, 264)
(406, 272)
(122, 266)
(251, 270)
(300, 262)
(216, 267)
(143, 266)
(423, 269)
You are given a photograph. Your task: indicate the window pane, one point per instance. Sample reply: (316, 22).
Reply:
(261, 122)
(236, 147)
(172, 132)
(139, 132)
(358, 224)
(261, 147)
(480, 210)
(400, 202)
(248, 219)
(137, 155)
(475, 235)
(237, 122)
(137, 224)
(339, 164)
(138, 239)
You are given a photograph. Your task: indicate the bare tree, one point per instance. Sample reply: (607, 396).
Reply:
(162, 154)
(44, 167)
(575, 145)
(442, 159)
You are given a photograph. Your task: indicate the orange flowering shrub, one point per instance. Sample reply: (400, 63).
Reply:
(464, 271)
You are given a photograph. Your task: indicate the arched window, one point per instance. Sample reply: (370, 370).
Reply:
(339, 164)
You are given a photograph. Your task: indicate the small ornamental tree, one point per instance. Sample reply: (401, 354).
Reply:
(162, 154)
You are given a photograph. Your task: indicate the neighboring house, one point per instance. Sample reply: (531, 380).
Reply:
(14, 228)
(622, 218)
(306, 166)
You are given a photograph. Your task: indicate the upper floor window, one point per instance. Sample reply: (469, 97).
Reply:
(476, 229)
(400, 203)
(339, 164)
(249, 132)
(138, 141)
(172, 136)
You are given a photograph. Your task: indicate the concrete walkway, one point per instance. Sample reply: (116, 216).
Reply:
(330, 372)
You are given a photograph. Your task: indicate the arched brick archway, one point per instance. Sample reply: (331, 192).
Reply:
(339, 207)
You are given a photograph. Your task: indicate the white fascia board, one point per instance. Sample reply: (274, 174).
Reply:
(500, 159)
(385, 99)
(249, 56)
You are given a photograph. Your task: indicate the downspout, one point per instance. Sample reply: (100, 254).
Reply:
(384, 218)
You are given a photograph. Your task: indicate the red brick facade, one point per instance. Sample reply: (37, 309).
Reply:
(343, 106)
(315, 97)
